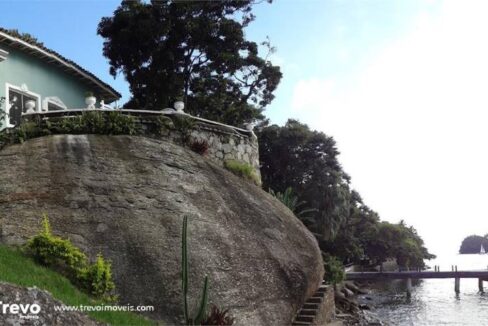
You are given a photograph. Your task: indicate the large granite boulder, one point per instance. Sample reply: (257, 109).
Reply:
(126, 197)
(33, 307)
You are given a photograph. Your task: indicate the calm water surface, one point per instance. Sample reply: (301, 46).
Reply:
(434, 302)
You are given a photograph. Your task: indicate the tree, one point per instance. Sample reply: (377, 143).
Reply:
(305, 160)
(191, 50)
(397, 241)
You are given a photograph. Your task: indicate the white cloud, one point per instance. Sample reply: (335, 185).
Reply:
(412, 125)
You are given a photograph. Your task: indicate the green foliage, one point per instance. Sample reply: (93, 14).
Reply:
(307, 161)
(162, 125)
(55, 252)
(90, 122)
(472, 244)
(191, 50)
(97, 279)
(243, 170)
(202, 308)
(64, 257)
(95, 122)
(18, 269)
(27, 130)
(120, 124)
(290, 200)
(334, 270)
(184, 125)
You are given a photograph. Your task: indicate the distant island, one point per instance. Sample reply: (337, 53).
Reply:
(473, 244)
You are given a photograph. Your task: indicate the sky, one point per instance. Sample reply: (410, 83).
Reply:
(402, 86)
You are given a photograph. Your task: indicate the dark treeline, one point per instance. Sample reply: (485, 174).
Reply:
(307, 161)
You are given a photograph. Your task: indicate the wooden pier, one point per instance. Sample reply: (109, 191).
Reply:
(481, 275)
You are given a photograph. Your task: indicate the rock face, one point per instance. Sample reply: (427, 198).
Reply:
(38, 308)
(126, 197)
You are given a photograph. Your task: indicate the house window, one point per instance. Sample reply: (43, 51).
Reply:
(20, 101)
(53, 103)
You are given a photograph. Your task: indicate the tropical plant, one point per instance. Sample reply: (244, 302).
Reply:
(218, 317)
(202, 307)
(290, 200)
(199, 146)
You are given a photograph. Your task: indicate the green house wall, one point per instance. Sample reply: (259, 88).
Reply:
(42, 78)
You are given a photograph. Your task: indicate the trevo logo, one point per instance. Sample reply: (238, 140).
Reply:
(28, 311)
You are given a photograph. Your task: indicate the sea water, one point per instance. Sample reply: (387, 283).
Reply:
(434, 301)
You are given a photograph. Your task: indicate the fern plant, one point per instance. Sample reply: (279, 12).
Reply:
(202, 308)
(290, 200)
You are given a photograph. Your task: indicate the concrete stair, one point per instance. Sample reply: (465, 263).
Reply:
(307, 313)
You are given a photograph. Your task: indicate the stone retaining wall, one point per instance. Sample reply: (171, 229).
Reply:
(225, 146)
(224, 142)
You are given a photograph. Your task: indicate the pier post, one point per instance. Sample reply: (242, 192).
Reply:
(480, 284)
(456, 284)
(409, 288)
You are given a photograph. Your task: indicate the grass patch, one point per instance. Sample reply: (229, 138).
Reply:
(243, 170)
(18, 269)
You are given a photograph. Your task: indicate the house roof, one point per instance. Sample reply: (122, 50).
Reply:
(32, 47)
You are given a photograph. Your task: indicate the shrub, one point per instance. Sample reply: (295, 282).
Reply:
(184, 125)
(162, 125)
(91, 122)
(55, 252)
(64, 257)
(121, 124)
(199, 146)
(218, 317)
(28, 130)
(243, 170)
(97, 279)
(334, 270)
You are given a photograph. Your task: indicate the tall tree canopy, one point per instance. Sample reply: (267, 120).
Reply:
(307, 161)
(190, 50)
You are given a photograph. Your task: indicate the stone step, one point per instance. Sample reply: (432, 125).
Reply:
(307, 312)
(310, 306)
(314, 300)
(300, 323)
(308, 319)
(322, 289)
(318, 295)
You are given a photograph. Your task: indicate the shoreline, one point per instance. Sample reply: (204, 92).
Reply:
(353, 312)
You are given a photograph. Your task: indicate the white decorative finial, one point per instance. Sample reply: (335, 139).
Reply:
(250, 126)
(179, 106)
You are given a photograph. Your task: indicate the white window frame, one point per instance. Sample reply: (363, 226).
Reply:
(3, 55)
(22, 90)
(53, 100)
